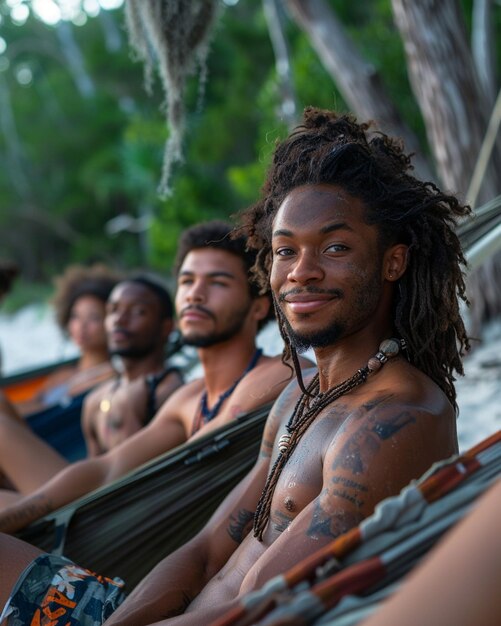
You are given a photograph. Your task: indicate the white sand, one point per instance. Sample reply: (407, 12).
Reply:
(30, 338)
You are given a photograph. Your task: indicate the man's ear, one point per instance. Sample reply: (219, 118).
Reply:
(395, 262)
(260, 307)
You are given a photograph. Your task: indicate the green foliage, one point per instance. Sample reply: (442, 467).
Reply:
(79, 162)
(25, 293)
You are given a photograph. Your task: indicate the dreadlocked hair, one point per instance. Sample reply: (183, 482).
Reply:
(327, 148)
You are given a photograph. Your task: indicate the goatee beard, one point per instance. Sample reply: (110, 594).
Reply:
(319, 339)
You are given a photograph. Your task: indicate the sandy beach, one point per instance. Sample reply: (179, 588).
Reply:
(31, 338)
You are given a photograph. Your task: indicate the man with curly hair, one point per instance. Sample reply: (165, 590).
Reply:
(79, 304)
(364, 267)
(219, 312)
(133, 318)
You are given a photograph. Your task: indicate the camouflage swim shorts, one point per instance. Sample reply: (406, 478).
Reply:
(54, 591)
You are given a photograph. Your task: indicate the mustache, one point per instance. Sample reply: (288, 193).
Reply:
(338, 293)
(119, 329)
(197, 307)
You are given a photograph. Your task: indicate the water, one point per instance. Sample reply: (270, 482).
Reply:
(31, 338)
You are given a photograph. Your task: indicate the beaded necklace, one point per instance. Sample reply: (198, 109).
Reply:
(309, 405)
(205, 414)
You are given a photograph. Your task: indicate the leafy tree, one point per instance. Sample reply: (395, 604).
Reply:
(81, 143)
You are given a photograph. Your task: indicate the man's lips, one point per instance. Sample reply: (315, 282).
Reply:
(195, 313)
(305, 302)
(119, 335)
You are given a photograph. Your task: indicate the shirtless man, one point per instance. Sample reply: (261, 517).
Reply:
(139, 320)
(138, 323)
(220, 312)
(356, 251)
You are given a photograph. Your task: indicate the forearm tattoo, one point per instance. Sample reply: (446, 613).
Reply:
(240, 525)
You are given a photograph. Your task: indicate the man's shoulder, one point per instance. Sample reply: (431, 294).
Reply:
(405, 385)
(273, 368)
(181, 400)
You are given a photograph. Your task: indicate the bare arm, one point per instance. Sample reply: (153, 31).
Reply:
(165, 432)
(262, 386)
(465, 568)
(177, 580)
(90, 407)
(377, 453)
(7, 408)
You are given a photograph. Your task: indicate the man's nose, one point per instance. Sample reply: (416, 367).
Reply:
(118, 318)
(197, 292)
(306, 269)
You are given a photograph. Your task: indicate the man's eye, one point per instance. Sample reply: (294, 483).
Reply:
(336, 247)
(284, 251)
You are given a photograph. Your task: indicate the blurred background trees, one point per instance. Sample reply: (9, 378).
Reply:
(81, 142)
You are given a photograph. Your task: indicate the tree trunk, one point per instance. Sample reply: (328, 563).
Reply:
(357, 80)
(274, 18)
(445, 84)
(483, 47)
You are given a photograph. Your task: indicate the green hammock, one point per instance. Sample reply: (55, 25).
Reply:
(125, 528)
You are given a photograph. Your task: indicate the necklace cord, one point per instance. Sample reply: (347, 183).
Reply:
(307, 408)
(205, 414)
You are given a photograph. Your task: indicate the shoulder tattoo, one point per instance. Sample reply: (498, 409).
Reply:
(366, 441)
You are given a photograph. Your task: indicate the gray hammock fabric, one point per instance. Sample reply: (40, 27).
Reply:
(125, 528)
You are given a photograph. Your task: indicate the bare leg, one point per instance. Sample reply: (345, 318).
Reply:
(26, 460)
(15, 556)
(7, 408)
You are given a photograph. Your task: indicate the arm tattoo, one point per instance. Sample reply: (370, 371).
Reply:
(280, 520)
(240, 525)
(349, 483)
(366, 441)
(324, 524)
(386, 429)
(353, 493)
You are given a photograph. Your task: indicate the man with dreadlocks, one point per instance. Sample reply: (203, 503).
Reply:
(364, 267)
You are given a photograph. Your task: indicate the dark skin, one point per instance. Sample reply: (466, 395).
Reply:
(210, 280)
(133, 320)
(331, 278)
(134, 326)
(335, 286)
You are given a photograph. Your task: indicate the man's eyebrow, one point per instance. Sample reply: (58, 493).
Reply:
(336, 226)
(215, 274)
(284, 232)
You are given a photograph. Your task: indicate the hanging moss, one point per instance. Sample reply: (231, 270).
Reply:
(174, 37)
